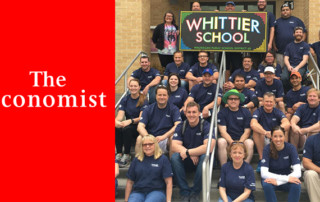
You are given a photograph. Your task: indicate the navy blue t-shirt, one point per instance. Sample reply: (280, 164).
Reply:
(287, 157)
(204, 95)
(145, 77)
(235, 121)
(296, 51)
(181, 71)
(268, 120)
(249, 95)
(250, 75)
(277, 72)
(149, 174)
(192, 136)
(308, 116)
(197, 70)
(178, 97)
(159, 121)
(283, 31)
(235, 180)
(128, 105)
(312, 149)
(316, 48)
(293, 97)
(276, 88)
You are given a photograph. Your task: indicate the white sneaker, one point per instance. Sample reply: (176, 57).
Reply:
(125, 161)
(118, 157)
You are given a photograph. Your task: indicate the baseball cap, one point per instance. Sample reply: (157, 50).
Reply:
(207, 70)
(231, 2)
(233, 92)
(269, 69)
(295, 73)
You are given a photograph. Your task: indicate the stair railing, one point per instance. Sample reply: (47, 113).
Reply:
(316, 68)
(207, 166)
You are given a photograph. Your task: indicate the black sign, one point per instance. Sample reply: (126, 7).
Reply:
(223, 31)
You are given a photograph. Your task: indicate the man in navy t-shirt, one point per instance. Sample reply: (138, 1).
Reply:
(263, 120)
(297, 95)
(311, 162)
(284, 28)
(295, 57)
(204, 94)
(195, 73)
(306, 120)
(159, 119)
(270, 84)
(251, 75)
(250, 99)
(178, 67)
(149, 78)
(234, 125)
(189, 145)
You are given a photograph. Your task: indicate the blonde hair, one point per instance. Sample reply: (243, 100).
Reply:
(157, 150)
(235, 145)
(313, 90)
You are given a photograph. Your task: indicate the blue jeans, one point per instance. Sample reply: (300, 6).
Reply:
(154, 196)
(270, 195)
(230, 200)
(285, 77)
(152, 94)
(184, 84)
(179, 167)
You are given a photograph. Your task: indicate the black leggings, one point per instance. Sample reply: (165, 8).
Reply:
(125, 136)
(165, 59)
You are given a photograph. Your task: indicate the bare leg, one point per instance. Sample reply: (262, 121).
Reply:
(222, 150)
(259, 142)
(249, 145)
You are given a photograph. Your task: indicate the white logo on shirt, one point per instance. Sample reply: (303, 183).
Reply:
(177, 96)
(314, 114)
(274, 90)
(304, 151)
(301, 47)
(303, 94)
(240, 118)
(141, 118)
(263, 161)
(252, 185)
(286, 157)
(255, 116)
(175, 135)
(291, 22)
(198, 134)
(242, 177)
(209, 93)
(274, 119)
(120, 106)
(218, 120)
(167, 115)
(149, 77)
(154, 165)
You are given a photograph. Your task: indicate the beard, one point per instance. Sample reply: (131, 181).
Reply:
(262, 8)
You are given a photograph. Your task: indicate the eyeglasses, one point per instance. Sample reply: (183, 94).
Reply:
(234, 99)
(148, 144)
(202, 56)
(236, 142)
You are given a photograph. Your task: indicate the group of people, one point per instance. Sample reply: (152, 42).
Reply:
(173, 118)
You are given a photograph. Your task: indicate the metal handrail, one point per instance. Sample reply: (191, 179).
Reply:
(125, 75)
(316, 85)
(207, 166)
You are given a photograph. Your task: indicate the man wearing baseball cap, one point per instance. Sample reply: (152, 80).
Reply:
(297, 95)
(234, 125)
(203, 93)
(270, 84)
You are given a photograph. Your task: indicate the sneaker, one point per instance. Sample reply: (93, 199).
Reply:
(194, 197)
(125, 161)
(184, 198)
(118, 157)
(258, 167)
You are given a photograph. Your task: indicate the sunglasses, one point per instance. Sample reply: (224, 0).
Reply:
(148, 144)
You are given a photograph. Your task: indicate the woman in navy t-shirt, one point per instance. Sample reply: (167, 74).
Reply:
(150, 174)
(130, 108)
(270, 60)
(178, 95)
(237, 179)
(280, 168)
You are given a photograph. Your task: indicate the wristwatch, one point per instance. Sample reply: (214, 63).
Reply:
(187, 152)
(132, 121)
